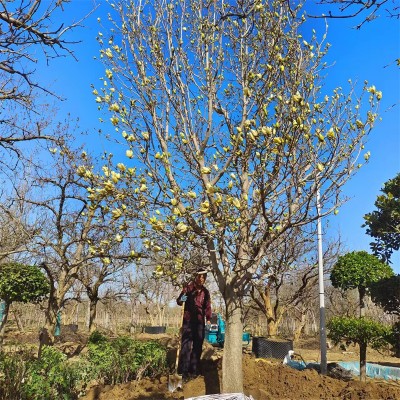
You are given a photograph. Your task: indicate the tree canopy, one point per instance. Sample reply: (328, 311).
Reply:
(229, 134)
(383, 224)
(358, 269)
(23, 283)
(361, 331)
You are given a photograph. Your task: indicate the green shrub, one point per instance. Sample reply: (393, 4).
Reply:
(96, 337)
(12, 375)
(123, 360)
(394, 339)
(53, 377)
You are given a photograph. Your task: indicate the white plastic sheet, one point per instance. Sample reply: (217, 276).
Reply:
(223, 396)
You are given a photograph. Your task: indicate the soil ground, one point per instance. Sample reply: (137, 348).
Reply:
(264, 379)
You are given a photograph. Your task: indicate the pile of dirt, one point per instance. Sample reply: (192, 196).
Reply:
(263, 379)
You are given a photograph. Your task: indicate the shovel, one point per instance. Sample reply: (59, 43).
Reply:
(175, 380)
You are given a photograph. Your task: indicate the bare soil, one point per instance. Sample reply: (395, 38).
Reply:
(264, 379)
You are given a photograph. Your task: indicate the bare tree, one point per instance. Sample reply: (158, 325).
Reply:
(222, 111)
(95, 276)
(365, 10)
(28, 37)
(16, 230)
(289, 276)
(26, 27)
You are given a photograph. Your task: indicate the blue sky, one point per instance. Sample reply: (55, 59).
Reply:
(366, 54)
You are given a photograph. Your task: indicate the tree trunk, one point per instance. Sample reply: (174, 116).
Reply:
(47, 333)
(299, 327)
(273, 319)
(17, 317)
(3, 322)
(363, 361)
(232, 369)
(92, 314)
(361, 292)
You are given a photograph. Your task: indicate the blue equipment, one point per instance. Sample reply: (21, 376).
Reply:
(215, 332)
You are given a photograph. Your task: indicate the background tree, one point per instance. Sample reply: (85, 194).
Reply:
(16, 231)
(81, 227)
(97, 275)
(221, 110)
(28, 37)
(364, 10)
(361, 331)
(386, 294)
(22, 283)
(384, 223)
(289, 276)
(358, 270)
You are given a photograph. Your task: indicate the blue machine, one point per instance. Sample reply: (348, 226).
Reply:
(215, 332)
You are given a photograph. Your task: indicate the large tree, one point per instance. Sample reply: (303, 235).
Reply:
(383, 224)
(222, 112)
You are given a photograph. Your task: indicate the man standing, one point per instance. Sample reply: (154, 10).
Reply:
(197, 303)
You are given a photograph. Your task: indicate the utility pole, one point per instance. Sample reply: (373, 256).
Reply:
(322, 328)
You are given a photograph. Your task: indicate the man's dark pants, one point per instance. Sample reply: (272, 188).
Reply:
(192, 343)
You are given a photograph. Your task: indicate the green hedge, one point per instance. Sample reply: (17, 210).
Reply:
(54, 377)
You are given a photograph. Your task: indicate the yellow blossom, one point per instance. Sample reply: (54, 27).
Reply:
(114, 107)
(181, 228)
(108, 53)
(129, 153)
(146, 135)
(320, 167)
(121, 167)
(204, 207)
(236, 202)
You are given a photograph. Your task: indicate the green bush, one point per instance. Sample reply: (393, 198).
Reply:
(394, 339)
(54, 377)
(96, 337)
(12, 375)
(123, 360)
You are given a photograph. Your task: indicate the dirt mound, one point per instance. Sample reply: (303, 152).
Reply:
(263, 379)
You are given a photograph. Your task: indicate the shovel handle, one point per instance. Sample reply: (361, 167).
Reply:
(178, 351)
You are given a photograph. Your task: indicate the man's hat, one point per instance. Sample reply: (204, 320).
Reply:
(201, 271)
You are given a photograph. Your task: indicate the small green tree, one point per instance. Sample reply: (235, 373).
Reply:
(358, 270)
(383, 225)
(361, 331)
(23, 283)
